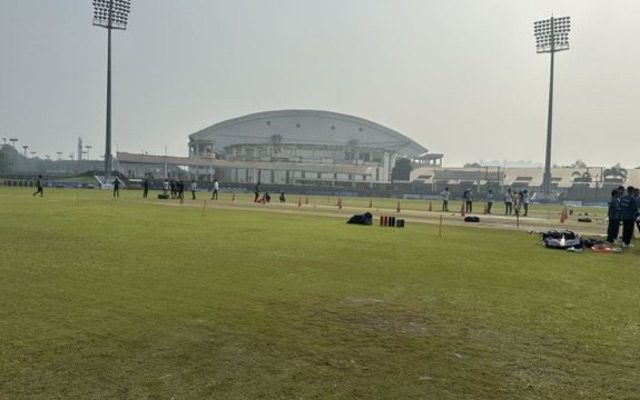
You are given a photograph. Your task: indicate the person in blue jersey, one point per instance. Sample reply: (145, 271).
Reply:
(489, 200)
(613, 228)
(628, 213)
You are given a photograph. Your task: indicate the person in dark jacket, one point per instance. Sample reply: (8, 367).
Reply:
(39, 187)
(256, 192)
(145, 188)
(629, 213)
(636, 194)
(614, 216)
(116, 187)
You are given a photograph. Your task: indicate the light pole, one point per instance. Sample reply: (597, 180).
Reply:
(33, 154)
(552, 35)
(13, 142)
(110, 14)
(25, 147)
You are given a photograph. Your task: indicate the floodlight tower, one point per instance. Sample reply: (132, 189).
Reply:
(25, 147)
(110, 14)
(552, 35)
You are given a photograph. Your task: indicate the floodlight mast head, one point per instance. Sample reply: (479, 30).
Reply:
(111, 14)
(552, 34)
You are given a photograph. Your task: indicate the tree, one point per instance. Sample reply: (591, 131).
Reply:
(615, 174)
(402, 170)
(584, 177)
(472, 165)
(579, 164)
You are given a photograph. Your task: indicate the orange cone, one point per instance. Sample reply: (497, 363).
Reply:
(398, 207)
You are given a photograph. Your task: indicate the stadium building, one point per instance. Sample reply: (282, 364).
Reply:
(303, 147)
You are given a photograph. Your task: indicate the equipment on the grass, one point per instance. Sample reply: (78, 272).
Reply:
(471, 218)
(562, 244)
(361, 219)
(390, 221)
(163, 196)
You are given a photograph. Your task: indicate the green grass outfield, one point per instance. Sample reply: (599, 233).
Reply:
(133, 299)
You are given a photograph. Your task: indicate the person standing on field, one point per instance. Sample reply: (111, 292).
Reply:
(39, 187)
(116, 187)
(489, 200)
(629, 213)
(173, 186)
(525, 202)
(508, 202)
(165, 186)
(216, 187)
(145, 188)
(614, 216)
(517, 202)
(445, 196)
(636, 194)
(194, 187)
(256, 192)
(180, 190)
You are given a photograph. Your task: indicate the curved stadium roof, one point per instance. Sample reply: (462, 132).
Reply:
(307, 127)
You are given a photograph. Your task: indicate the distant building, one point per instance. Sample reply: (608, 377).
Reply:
(299, 147)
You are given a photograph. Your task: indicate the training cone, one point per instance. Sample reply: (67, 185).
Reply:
(462, 210)
(398, 207)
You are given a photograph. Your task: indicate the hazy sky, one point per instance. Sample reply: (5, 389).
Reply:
(461, 77)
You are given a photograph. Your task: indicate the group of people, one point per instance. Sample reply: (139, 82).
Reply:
(266, 197)
(175, 189)
(514, 202)
(623, 208)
